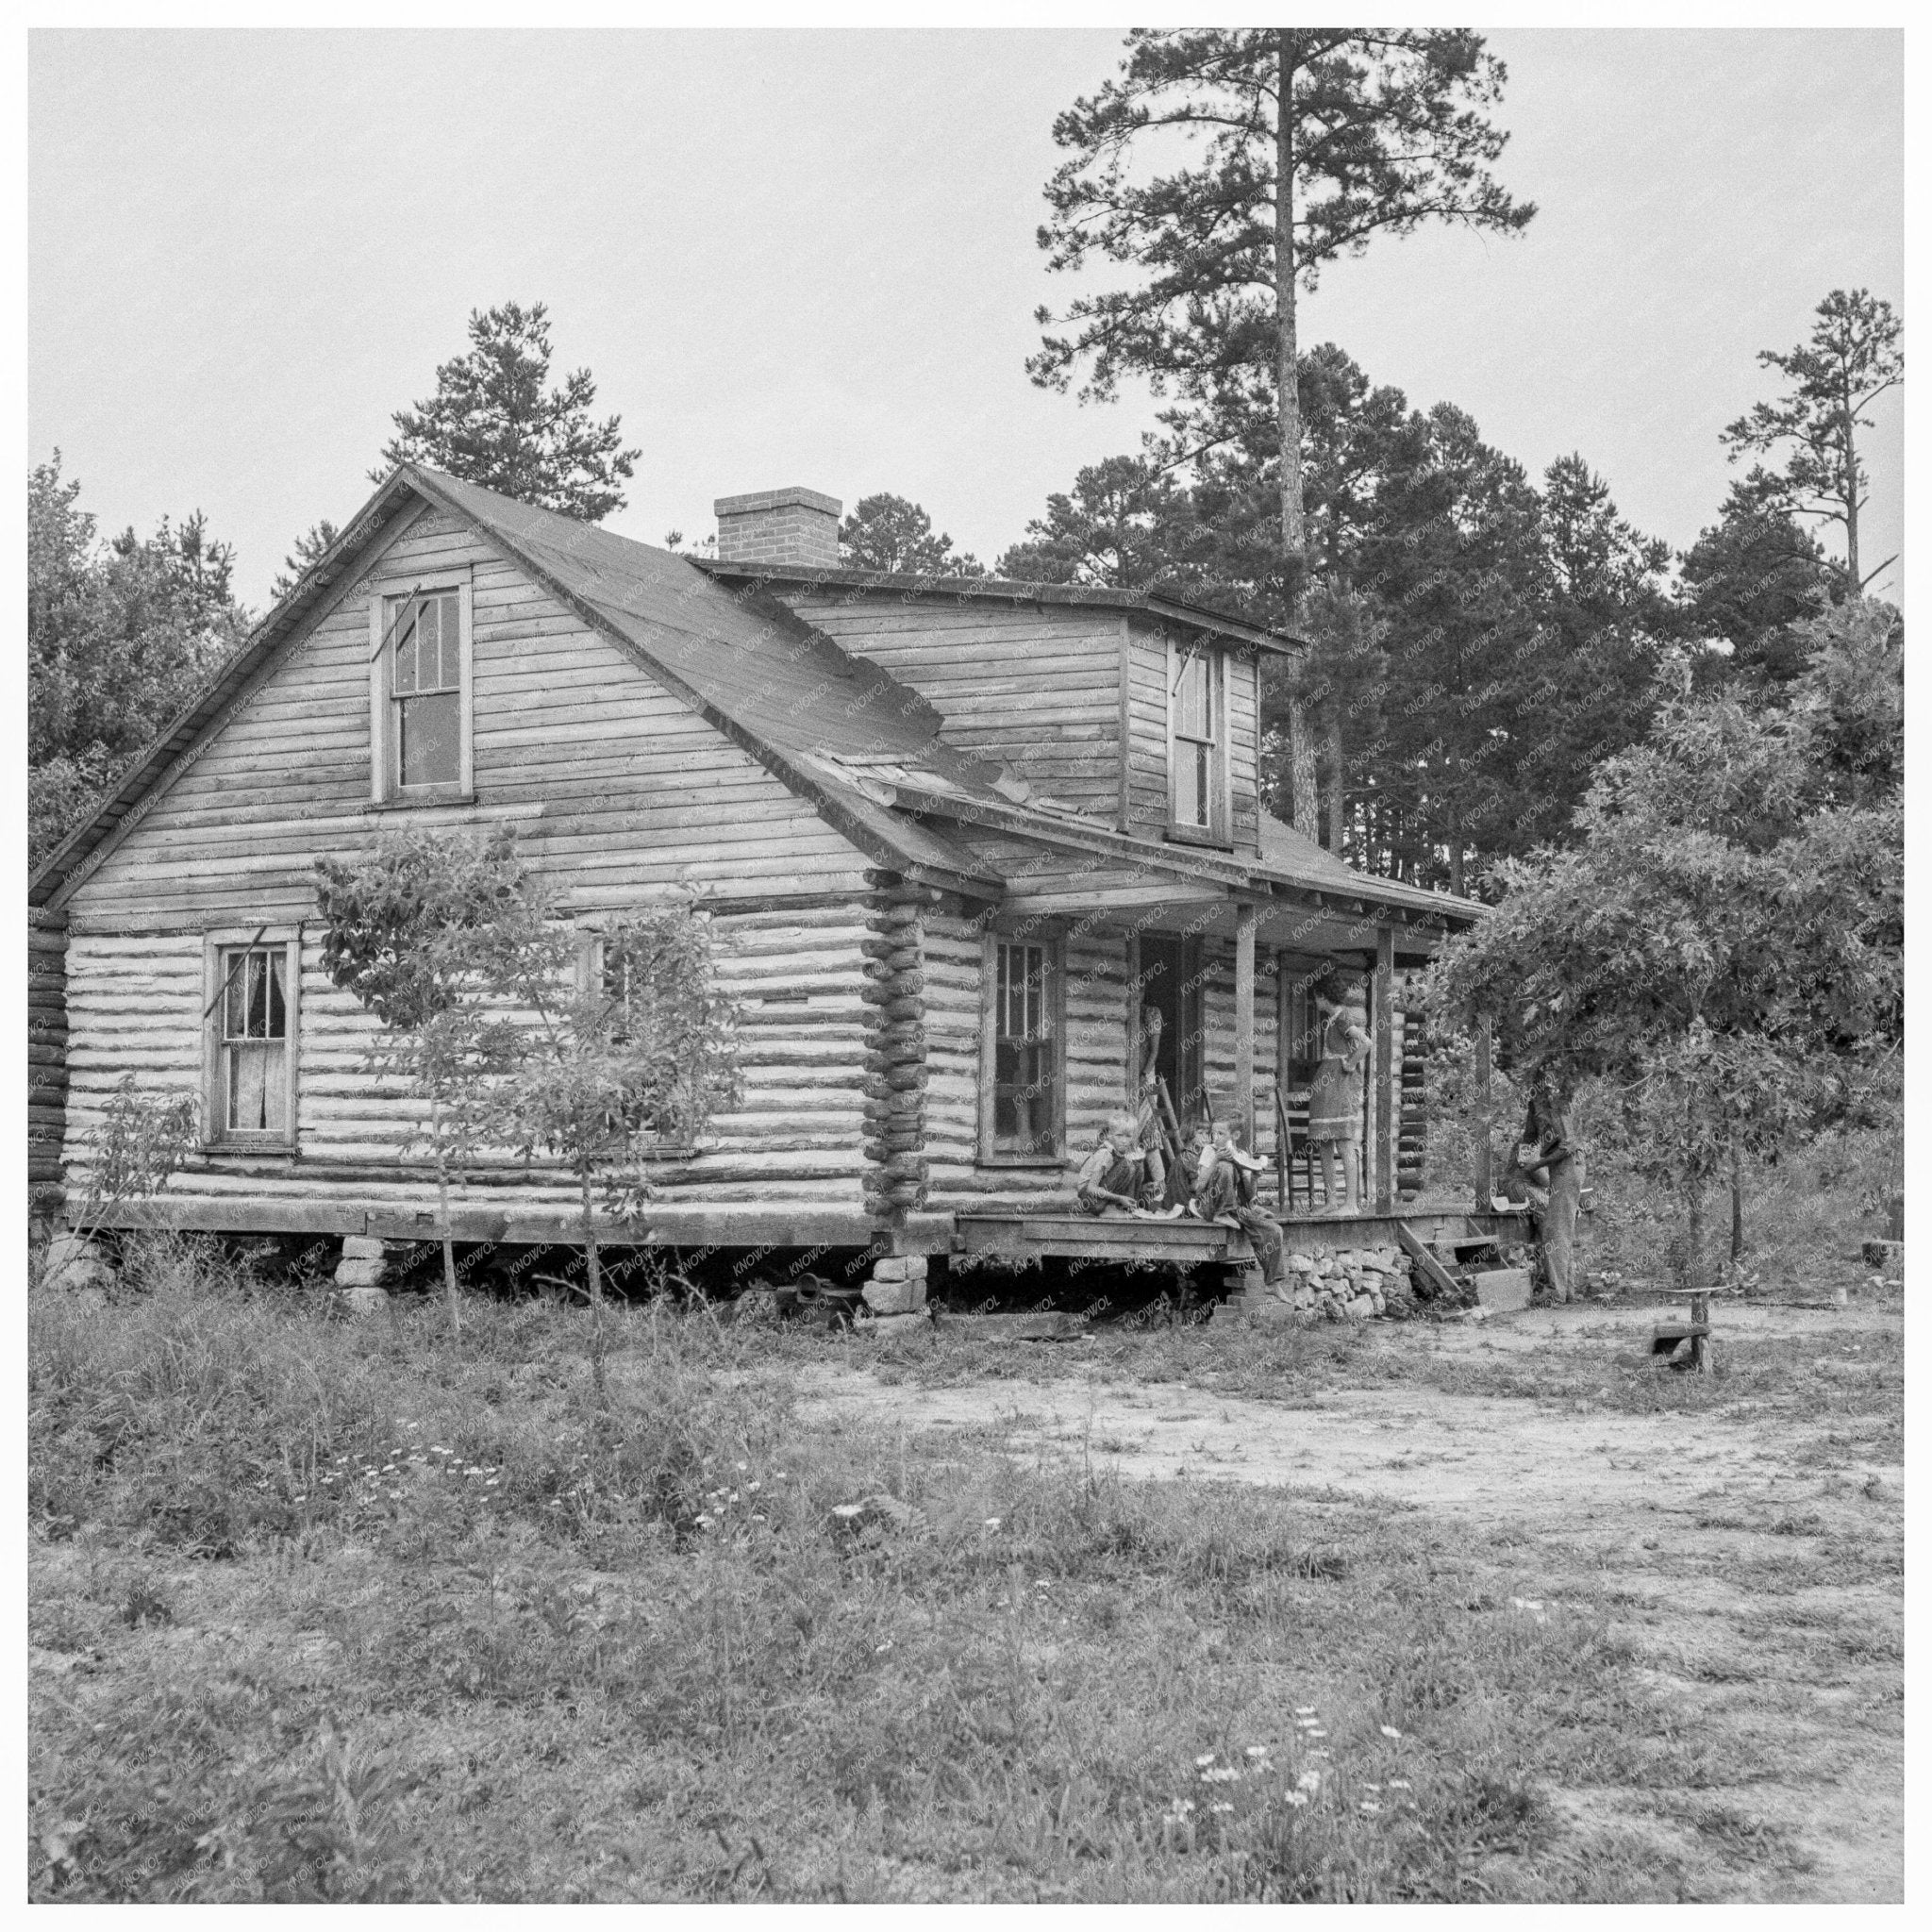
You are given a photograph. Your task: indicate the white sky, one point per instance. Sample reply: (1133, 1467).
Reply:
(809, 257)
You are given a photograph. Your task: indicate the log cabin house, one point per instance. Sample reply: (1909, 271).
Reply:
(958, 837)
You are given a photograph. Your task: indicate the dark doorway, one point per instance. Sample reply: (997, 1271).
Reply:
(1171, 981)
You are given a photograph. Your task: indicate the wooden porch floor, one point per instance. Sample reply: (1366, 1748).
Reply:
(1070, 1235)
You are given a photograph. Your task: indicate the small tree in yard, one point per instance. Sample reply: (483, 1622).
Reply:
(628, 1049)
(402, 934)
(1722, 945)
(132, 1151)
(464, 954)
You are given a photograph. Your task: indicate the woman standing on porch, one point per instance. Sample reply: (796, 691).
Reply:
(1335, 1099)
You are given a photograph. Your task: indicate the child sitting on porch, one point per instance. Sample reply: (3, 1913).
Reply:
(1224, 1190)
(1121, 1173)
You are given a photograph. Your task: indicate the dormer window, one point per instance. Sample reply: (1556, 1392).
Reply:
(1197, 744)
(420, 699)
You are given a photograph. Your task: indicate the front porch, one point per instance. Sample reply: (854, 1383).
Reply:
(1068, 1234)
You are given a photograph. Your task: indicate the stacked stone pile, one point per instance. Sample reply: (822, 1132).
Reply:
(1352, 1283)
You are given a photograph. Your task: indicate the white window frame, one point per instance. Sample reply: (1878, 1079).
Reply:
(1220, 808)
(384, 786)
(287, 940)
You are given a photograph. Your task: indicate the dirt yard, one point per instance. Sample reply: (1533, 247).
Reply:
(1714, 1541)
(328, 1610)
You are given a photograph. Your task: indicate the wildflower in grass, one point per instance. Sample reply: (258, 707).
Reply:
(1315, 1732)
(1310, 1781)
(1367, 1787)
(1258, 1751)
(1320, 1753)
(1371, 1808)
(992, 1523)
(1221, 1810)
(741, 1467)
(1399, 1784)
(1305, 1710)
(1297, 1798)
(1390, 1731)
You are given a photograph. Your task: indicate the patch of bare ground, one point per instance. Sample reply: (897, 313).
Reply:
(1759, 1594)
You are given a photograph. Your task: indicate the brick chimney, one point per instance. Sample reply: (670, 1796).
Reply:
(795, 526)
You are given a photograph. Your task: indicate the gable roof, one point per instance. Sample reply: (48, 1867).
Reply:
(1156, 603)
(861, 746)
(812, 713)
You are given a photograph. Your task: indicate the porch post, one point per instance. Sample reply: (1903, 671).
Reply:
(1244, 918)
(1387, 1072)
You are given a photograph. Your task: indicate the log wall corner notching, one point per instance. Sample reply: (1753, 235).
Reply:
(46, 1059)
(895, 1139)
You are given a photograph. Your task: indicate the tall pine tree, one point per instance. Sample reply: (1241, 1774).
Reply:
(494, 421)
(1307, 144)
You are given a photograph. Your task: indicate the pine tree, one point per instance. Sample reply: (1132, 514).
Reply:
(1124, 525)
(1852, 357)
(891, 533)
(1313, 141)
(494, 421)
(309, 546)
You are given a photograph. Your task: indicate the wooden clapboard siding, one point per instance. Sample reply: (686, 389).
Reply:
(1244, 727)
(1147, 749)
(623, 788)
(1037, 685)
(138, 1002)
(1147, 715)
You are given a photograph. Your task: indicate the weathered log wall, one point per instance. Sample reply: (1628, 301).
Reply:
(799, 979)
(46, 1058)
(620, 792)
(1412, 1113)
(1097, 1058)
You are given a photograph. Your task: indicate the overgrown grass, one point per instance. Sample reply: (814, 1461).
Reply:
(328, 1610)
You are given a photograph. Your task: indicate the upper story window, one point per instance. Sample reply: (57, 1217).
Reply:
(252, 1036)
(419, 693)
(1197, 748)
